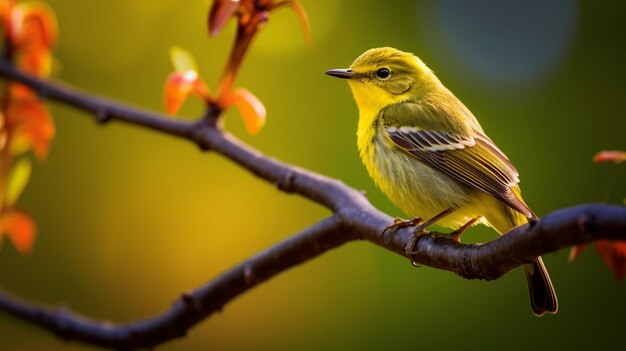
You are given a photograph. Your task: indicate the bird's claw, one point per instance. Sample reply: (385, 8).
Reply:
(409, 249)
(401, 223)
(455, 235)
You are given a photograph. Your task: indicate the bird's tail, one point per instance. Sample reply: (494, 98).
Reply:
(542, 296)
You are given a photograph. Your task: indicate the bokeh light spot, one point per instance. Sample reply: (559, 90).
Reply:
(504, 42)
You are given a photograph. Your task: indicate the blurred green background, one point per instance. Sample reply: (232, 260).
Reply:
(128, 219)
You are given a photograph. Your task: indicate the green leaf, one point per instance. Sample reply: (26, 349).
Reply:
(17, 180)
(182, 60)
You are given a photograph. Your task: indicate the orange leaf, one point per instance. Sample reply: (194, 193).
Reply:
(19, 228)
(200, 89)
(179, 86)
(221, 11)
(32, 30)
(304, 18)
(6, 6)
(39, 25)
(36, 60)
(13, 24)
(614, 156)
(251, 109)
(31, 127)
(613, 253)
(20, 92)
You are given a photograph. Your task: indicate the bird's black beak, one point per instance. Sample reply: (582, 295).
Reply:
(342, 73)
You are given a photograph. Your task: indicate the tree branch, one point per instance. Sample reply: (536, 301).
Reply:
(189, 308)
(354, 218)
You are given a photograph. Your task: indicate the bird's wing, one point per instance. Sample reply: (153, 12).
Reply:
(473, 160)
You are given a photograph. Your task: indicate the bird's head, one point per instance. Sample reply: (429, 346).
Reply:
(384, 76)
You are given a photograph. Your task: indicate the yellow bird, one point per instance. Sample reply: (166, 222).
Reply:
(427, 152)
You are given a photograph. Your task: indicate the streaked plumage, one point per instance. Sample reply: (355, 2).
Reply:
(428, 153)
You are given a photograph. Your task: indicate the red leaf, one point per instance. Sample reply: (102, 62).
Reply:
(19, 228)
(613, 253)
(221, 11)
(251, 109)
(614, 156)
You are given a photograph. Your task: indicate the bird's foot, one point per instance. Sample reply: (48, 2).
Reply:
(456, 235)
(409, 250)
(419, 231)
(401, 223)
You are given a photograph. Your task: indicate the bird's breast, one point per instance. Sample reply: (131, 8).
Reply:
(416, 188)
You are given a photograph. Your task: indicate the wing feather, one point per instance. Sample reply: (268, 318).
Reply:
(471, 160)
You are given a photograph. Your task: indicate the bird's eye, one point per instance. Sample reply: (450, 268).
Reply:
(383, 73)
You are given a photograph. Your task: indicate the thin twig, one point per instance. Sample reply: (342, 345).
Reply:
(354, 218)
